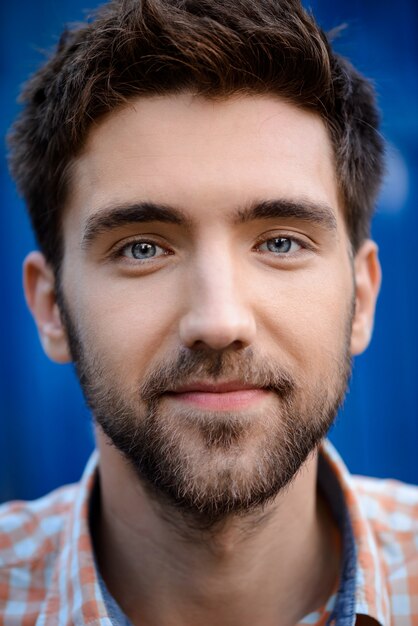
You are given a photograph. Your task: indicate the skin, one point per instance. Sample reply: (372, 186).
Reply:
(215, 286)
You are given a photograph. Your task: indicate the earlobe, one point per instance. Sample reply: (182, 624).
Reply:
(367, 276)
(39, 287)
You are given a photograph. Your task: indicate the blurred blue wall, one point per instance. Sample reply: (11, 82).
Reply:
(45, 430)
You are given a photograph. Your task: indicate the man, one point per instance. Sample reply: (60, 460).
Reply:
(201, 176)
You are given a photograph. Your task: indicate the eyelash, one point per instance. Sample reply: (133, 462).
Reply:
(118, 252)
(304, 245)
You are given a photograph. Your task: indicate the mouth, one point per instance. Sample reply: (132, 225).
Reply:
(226, 396)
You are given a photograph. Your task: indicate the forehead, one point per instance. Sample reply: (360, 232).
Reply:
(204, 156)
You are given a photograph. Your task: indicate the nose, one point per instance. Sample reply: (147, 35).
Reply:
(218, 313)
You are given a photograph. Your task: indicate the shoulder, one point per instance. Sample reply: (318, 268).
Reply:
(390, 505)
(30, 533)
(391, 508)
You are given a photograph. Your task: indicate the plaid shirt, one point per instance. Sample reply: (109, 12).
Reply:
(48, 575)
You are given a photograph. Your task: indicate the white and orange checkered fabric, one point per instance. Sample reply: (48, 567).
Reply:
(48, 575)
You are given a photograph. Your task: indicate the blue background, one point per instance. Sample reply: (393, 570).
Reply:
(45, 430)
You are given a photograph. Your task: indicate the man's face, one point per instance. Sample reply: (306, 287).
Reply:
(208, 293)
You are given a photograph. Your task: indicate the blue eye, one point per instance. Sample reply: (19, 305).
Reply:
(142, 250)
(280, 245)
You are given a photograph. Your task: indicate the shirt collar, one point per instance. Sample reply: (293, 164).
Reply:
(371, 592)
(75, 592)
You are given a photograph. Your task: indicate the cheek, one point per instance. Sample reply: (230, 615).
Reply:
(309, 317)
(126, 328)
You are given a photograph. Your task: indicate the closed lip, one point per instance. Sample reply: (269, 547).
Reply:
(225, 387)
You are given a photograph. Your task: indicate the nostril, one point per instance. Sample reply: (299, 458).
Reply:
(217, 330)
(234, 345)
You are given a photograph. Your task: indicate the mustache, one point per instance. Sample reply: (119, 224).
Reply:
(189, 366)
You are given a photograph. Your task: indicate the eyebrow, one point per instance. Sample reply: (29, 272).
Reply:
(314, 212)
(125, 214)
(117, 216)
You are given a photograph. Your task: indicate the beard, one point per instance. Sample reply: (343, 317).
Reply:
(211, 465)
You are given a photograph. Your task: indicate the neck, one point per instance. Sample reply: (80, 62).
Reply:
(271, 567)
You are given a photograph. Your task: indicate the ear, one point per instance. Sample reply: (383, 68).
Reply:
(39, 287)
(367, 276)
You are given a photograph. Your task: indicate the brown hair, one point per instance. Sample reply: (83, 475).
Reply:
(216, 48)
